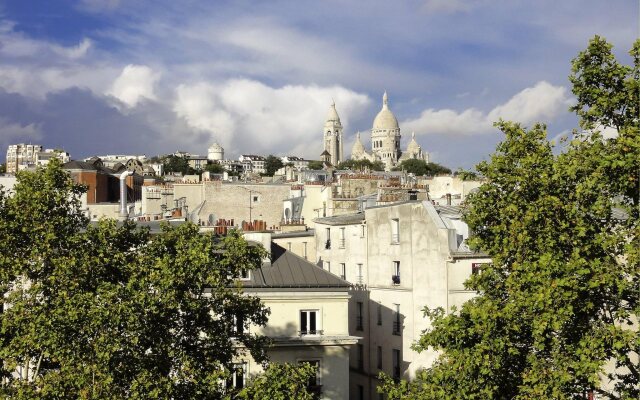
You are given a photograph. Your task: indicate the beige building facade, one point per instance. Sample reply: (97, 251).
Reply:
(399, 258)
(308, 320)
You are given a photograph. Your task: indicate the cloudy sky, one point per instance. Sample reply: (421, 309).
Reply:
(152, 77)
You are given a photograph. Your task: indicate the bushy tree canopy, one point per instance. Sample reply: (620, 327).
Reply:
(421, 167)
(272, 164)
(359, 165)
(281, 382)
(560, 299)
(110, 311)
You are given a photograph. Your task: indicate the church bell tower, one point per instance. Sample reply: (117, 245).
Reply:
(333, 135)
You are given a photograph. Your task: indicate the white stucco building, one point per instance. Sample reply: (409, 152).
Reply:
(309, 318)
(399, 259)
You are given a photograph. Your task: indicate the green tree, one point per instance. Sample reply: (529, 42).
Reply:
(315, 165)
(281, 382)
(421, 167)
(112, 312)
(173, 163)
(560, 298)
(360, 165)
(214, 168)
(272, 164)
(466, 175)
(3, 168)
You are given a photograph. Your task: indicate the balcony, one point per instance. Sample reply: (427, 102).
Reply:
(395, 279)
(311, 332)
(359, 323)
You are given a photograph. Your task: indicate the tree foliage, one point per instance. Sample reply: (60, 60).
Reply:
(421, 167)
(111, 311)
(173, 163)
(3, 168)
(272, 164)
(360, 165)
(560, 299)
(315, 165)
(281, 382)
(214, 168)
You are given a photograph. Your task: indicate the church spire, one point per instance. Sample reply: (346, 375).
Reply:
(385, 100)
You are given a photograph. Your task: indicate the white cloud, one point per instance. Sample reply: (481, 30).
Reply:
(247, 115)
(135, 83)
(74, 52)
(542, 102)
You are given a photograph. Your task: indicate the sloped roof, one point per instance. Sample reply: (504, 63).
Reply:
(342, 219)
(287, 270)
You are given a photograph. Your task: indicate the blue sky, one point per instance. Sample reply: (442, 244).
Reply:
(133, 76)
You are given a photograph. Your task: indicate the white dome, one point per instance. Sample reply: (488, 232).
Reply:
(357, 148)
(215, 147)
(385, 120)
(413, 147)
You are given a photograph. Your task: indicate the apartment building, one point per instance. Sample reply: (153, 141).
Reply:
(399, 259)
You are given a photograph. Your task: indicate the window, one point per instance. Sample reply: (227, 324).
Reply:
(395, 278)
(309, 323)
(395, 231)
(304, 250)
(475, 268)
(397, 325)
(359, 316)
(379, 357)
(238, 373)
(255, 199)
(327, 265)
(396, 364)
(360, 277)
(342, 240)
(360, 358)
(360, 392)
(314, 385)
(289, 246)
(244, 275)
(362, 230)
(327, 244)
(379, 314)
(343, 271)
(238, 324)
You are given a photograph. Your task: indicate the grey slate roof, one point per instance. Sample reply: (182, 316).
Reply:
(344, 219)
(287, 270)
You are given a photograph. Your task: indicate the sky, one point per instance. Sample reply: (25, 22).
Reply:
(99, 77)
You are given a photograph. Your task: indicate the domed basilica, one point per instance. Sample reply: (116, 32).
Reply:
(385, 140)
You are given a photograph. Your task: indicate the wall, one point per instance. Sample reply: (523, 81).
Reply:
(283, 326)
(231, 201)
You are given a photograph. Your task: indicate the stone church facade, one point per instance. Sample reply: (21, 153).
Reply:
(385, 140)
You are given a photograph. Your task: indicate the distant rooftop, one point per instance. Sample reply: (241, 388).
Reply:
(344, 219)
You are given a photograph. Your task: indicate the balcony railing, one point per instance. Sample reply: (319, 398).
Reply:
(395, 279)
(395, 238)
(359, 323)
(311, 332)
(360, 279)
(341, 243)
(397, 328)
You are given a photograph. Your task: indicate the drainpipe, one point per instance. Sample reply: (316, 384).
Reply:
(123, 193)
